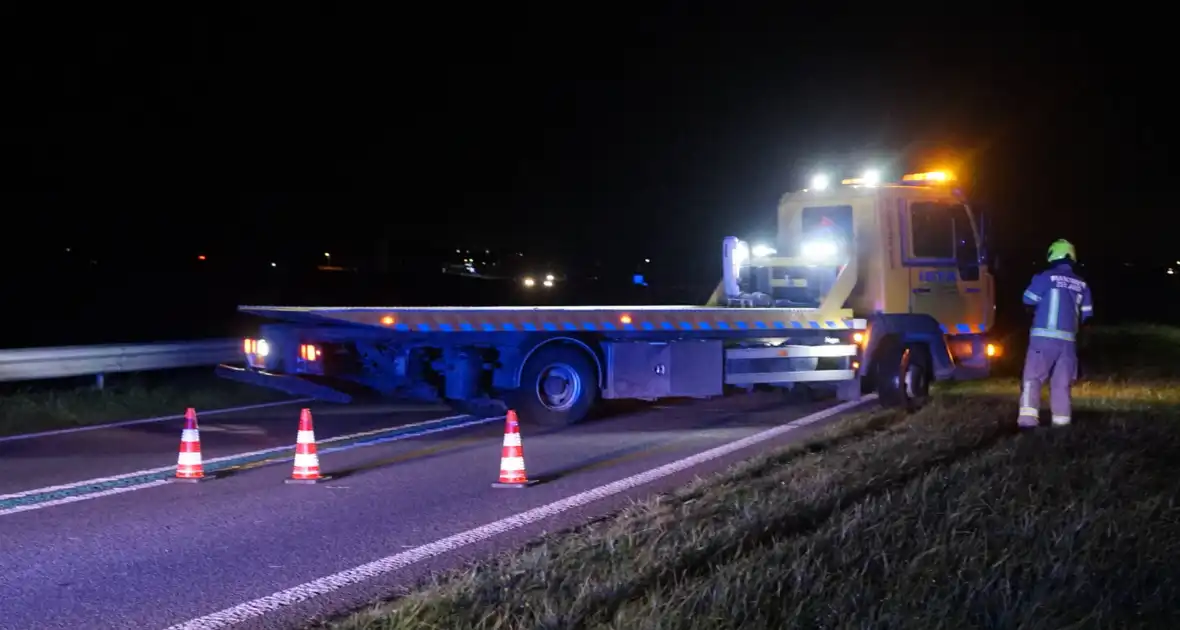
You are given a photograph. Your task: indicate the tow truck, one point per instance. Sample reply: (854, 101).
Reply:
(870, 286)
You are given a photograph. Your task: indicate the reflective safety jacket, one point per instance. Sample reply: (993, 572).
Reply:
(1063, 302)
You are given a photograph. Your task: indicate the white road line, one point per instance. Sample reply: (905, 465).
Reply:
(81, 497)
(394, 438)
(303, 592)
(128, 423)
(153, 471)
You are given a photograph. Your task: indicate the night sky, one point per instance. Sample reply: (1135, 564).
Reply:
(286, 132)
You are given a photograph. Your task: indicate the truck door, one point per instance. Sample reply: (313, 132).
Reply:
(976, 288)
(941, 251)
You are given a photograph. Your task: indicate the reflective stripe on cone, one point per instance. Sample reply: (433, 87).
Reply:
(306, 467)
(512, 473)
(188, 462)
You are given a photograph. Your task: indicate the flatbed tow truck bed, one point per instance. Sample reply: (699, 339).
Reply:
(549, 363)
(563, 318)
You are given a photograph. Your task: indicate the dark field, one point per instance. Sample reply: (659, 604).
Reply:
(104, 307)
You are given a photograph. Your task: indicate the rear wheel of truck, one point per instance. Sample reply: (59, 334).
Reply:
(902, 375)
(558, 386)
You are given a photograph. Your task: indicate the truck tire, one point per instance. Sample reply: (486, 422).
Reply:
(902, 375)
(558, 386)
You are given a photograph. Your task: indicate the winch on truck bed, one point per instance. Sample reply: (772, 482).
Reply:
(881, 287)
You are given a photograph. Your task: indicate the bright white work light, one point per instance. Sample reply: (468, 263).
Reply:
(762, 251)
(872, 177)
(741, 253)
(820, 182)
(740, 256)
(819, 250)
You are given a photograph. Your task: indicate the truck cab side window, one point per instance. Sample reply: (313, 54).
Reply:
(966, 249)
(933, 228)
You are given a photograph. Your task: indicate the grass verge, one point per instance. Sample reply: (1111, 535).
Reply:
(949, 518)
(26, 408)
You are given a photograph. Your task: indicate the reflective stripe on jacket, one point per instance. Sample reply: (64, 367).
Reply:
(1063, 302)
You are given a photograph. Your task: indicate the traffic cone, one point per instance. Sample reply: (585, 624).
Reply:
(307, 463)
(188, 463)
(512, 474)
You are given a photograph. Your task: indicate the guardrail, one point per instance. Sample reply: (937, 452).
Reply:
(30, 364)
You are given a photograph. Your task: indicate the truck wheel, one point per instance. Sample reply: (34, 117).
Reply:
(558, 385)
(903, 375)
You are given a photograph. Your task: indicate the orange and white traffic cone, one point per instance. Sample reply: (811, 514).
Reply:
(188, 463)
(512, 474)
(307, 463)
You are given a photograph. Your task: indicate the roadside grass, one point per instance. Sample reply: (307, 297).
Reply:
(44, 406)
(1127, 352)
(1122, 367)
(947, 518)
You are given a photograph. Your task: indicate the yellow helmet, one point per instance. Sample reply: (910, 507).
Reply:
(1062, 248)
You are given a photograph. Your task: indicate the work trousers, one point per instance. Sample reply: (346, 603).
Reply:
(1057, 361)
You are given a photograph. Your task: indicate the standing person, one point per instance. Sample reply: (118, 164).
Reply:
(1062, 300)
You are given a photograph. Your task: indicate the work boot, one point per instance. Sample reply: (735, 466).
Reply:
(1026, 422)
(1060, 421)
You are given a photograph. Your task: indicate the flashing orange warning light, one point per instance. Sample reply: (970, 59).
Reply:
(992, 350)
(309, 352)
(929, 176)
(201, 257)
(626, 319)
(858, 337)
(387, 320)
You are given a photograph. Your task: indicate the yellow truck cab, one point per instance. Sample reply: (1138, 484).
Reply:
(908, 256)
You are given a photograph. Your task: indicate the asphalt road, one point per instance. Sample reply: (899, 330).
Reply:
(167, 554)
(61, 459)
